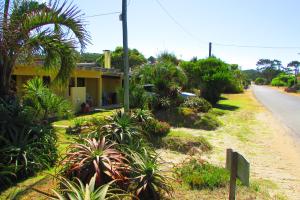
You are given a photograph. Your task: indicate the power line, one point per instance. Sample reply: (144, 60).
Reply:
(109, 13)
(103, 14)
(176, 22)
(256, 46)
(218, 44)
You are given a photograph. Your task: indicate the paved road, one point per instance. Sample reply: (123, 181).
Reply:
(284, 106)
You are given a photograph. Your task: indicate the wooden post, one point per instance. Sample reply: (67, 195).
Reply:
(228, 159)
(233, 175)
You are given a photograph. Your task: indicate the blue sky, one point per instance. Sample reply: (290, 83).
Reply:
(240, 22)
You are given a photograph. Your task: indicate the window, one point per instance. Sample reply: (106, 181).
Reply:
(80, 82)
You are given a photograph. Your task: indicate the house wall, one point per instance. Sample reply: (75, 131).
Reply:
(78, 96)
(95, 83)
(110, 85)
(92, 90)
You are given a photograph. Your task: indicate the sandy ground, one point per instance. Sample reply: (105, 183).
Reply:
(272, 153)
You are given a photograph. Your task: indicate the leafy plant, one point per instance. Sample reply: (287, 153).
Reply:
(141, 115)
(199, 104)
(167, 80)
(77, 190)
(43, 102)
(148, 182)
(120, 128)
(201, 175)
(92, 156)
(26, 146)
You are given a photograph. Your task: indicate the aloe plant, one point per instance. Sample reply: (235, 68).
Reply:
(95, 156)
(77, 190)
(120, 128)
(148, 182)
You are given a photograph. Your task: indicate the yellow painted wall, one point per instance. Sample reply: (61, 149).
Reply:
(92, 90)
(78, 97)
(96, 85)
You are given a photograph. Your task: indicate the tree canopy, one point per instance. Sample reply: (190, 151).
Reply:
(52, 30)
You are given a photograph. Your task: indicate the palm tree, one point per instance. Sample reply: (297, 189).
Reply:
(52, 30)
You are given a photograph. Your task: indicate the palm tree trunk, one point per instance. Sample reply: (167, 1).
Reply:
(5, 76)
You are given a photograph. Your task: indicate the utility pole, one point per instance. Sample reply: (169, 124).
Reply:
(125, 50)
(210, 46)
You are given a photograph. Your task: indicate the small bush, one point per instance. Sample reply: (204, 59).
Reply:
(157, 129)
(185, 144)
(260, 81)
(208, 122)
(186, 112)
(199, 104)
(201, 175)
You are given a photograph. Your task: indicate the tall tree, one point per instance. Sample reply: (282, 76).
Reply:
(28, 27)
(295, 65)
(269, 69)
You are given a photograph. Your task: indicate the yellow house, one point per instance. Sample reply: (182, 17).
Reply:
(97, 86)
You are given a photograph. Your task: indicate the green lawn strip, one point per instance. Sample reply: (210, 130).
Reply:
(100, 115)
(63, 140)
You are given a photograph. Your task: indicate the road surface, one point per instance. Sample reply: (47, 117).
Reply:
(284, 106)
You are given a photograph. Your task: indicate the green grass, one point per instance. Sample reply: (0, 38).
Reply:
(198, 175)
(100, 115)
(184, 142)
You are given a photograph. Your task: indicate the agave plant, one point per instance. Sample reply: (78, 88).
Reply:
(120, 128)
(141, 115)
(95, 156)
(77, 190)
(148, 180)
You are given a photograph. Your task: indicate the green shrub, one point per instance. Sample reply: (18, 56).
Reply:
(260, 81)
(186, 111)
(26, 146)
(199, 104)
(283, 80)
(201, 175)
(185, 144)
(156, 129)
(208, 122)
